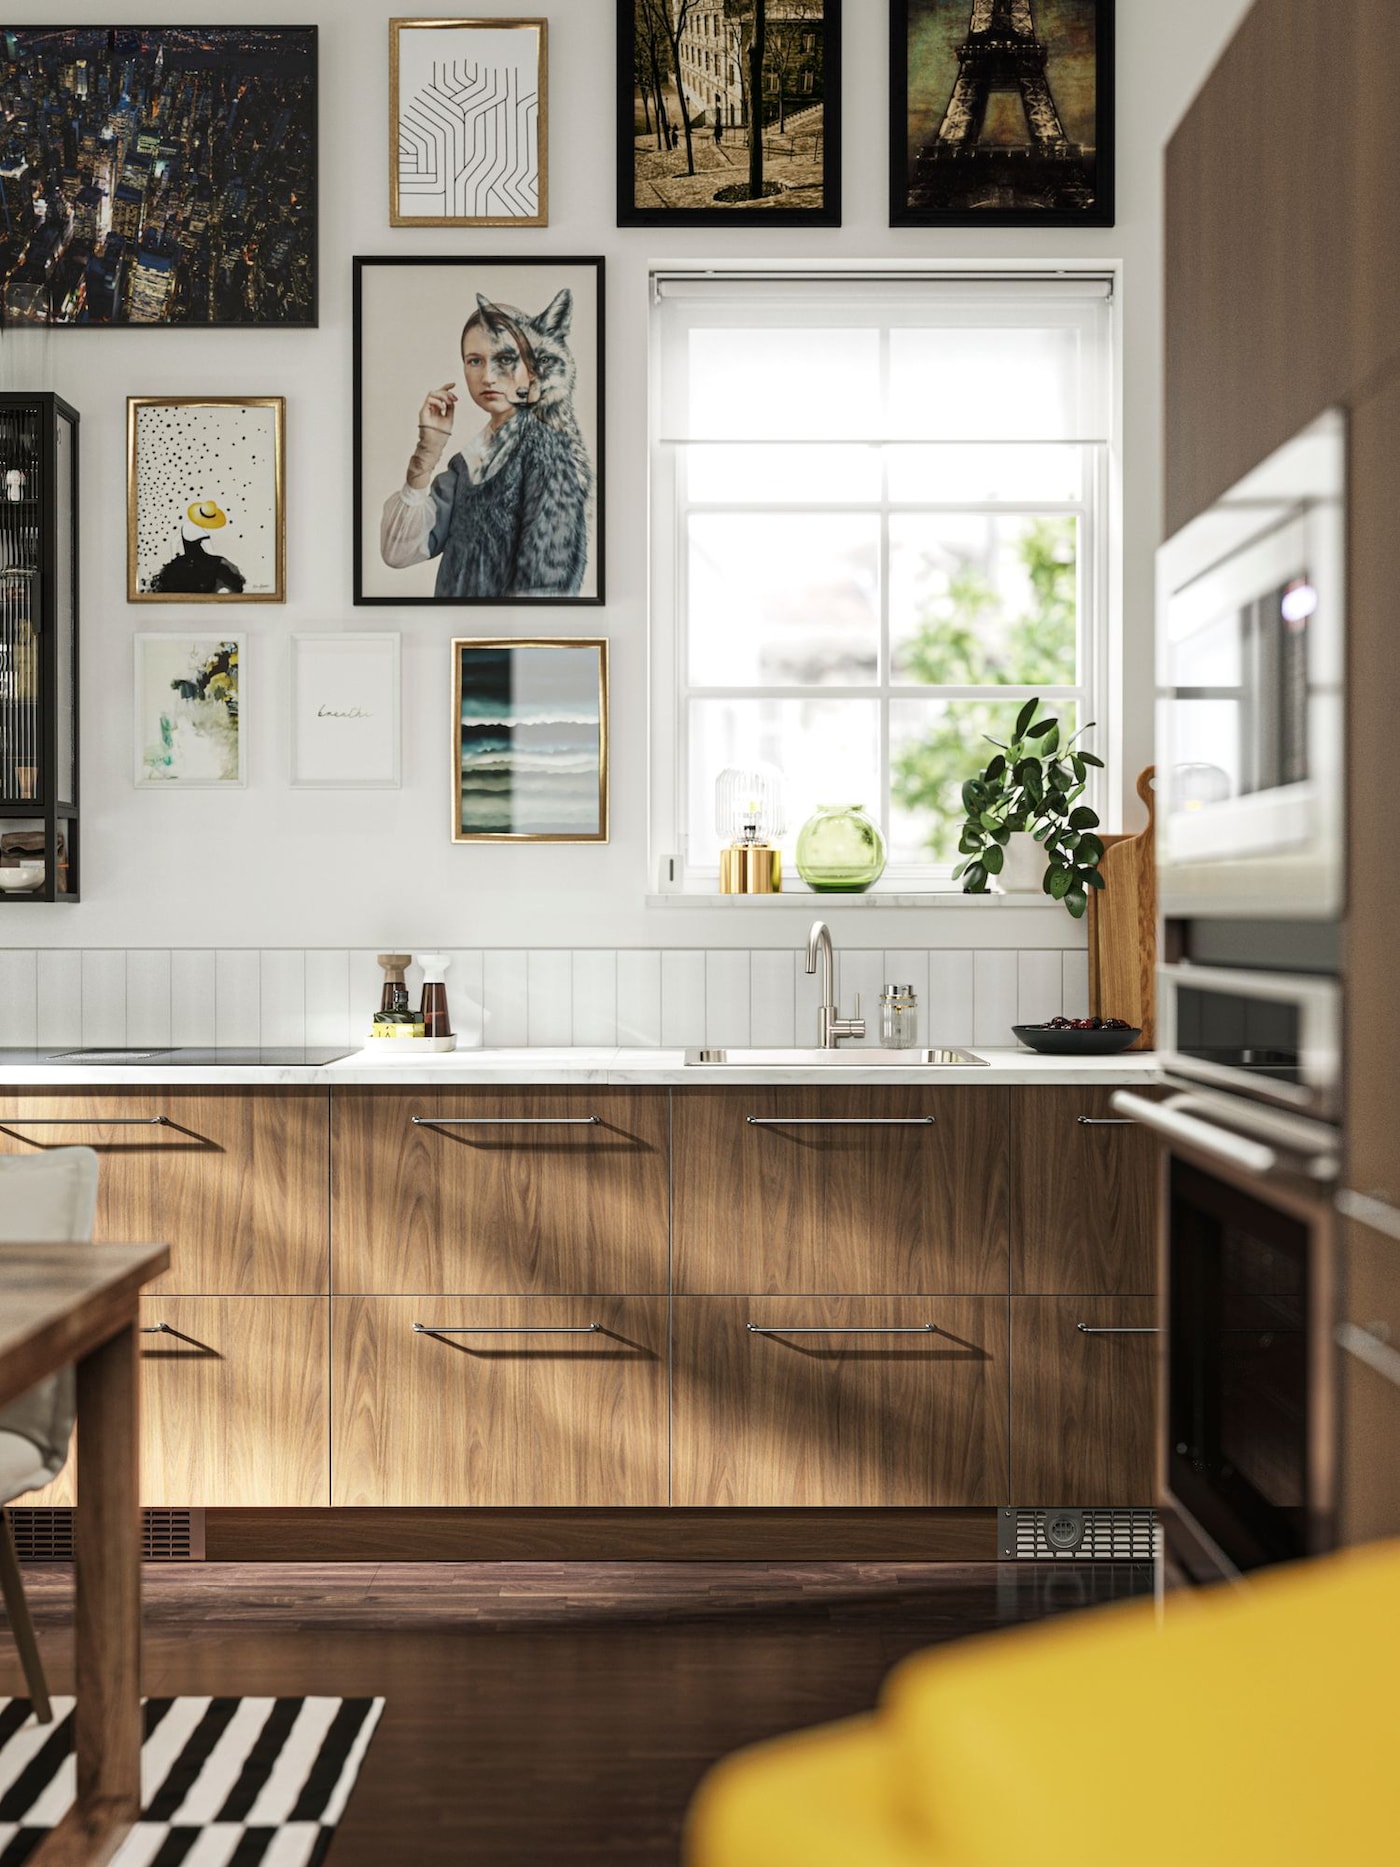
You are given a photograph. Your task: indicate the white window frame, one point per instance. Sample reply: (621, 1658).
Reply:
(1099, 603)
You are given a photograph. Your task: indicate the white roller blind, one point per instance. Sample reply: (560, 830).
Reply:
(927, 359)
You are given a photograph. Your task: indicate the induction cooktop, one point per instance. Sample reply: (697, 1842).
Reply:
(186, 1056)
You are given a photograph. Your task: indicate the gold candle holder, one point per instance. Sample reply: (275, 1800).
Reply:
(750, 869)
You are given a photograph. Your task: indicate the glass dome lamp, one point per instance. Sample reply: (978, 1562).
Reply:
(750, 815)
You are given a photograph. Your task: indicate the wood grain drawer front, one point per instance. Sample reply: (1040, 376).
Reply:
(233, 1401)
(1370, 1386)
(1083, 1400)
(840, 1417)
(234, 1181)
(1084, 1195)
(572, 1409)
(524, 1192)
(843, 1190)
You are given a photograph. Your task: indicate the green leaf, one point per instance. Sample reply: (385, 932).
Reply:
(995, 769)
(972, 797)
(1092, 877)
(959, 869)
(1059, 883)
(1089, 759)
(975, 880)
(992, 858)
(1041, 728)
(1084, 818)
(1051, 742)
(1077, 901)
(1003, 835)
(1091, 846)
(989, 822)
(1024, 718)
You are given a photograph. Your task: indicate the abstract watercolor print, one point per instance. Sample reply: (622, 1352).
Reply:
(189, 727)
(468, 123)
(204, 500)
(531, 741)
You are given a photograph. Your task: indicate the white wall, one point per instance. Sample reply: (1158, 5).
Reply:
(271, 867)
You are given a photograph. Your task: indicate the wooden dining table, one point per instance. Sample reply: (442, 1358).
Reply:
(62, 1304)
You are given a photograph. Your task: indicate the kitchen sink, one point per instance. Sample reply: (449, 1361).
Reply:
(857, 1057)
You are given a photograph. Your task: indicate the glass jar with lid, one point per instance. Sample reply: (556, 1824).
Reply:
(899, 1017)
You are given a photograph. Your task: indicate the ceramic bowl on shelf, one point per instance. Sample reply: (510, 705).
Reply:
(22, 878)
(1052, 1042)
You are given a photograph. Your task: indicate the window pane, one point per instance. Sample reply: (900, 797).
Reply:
(987, 383)
(783, 385)
(784, 600)
(978, 599)
(963, 474)
(935, 746)
(721, 473)
(828, 750)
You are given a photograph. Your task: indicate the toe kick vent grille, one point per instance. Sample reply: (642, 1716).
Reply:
(1075, 1535)
(46, 1535)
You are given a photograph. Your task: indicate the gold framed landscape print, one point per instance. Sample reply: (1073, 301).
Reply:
(530, 740)
(205, 512)
(468, 123)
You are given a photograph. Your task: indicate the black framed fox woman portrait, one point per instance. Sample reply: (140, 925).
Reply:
(478, 430)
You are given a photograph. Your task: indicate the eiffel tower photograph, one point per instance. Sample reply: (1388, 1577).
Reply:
(1002, 113)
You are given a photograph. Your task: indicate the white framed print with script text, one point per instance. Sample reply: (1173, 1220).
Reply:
(345, 711)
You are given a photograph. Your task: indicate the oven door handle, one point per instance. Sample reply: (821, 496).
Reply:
(1233, 1149)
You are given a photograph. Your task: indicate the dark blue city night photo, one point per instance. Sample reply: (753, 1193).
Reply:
(158, 175)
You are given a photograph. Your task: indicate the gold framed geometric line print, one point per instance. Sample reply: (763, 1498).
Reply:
(529, 740)
(468, 123)
(205, 499)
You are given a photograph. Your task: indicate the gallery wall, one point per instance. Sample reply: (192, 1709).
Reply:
(269, 866)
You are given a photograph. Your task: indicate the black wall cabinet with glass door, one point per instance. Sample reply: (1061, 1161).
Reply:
(38, 649)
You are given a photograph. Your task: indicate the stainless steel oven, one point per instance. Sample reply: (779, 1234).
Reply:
(1247, 1466)
(1275, 1036)
(1250, 661)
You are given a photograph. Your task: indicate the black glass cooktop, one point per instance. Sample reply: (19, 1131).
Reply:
(183, 1057)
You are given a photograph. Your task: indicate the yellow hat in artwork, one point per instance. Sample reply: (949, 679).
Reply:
(206, 514)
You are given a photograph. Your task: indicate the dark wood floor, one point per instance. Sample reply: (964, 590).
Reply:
(556, 1712)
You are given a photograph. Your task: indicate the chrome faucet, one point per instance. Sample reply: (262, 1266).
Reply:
(831, 1026)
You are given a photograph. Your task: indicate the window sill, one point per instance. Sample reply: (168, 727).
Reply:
(807, 900)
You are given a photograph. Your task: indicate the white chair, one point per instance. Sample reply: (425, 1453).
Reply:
(45, 1199)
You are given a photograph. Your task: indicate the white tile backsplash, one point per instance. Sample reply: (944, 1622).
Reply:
(547, 996)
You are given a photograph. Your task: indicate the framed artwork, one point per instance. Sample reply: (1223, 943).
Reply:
(205, 499)
(530, 741)
(693, 148)
(468, 123)
(188, 711)
(159, 175)
(1001, 113)
(478, 430)
(346, 711)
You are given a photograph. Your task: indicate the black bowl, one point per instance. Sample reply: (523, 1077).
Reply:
(1075, 1043)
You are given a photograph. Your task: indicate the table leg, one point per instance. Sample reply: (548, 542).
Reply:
(107, 1574)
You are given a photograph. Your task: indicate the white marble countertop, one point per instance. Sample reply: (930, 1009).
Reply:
(526, 1067)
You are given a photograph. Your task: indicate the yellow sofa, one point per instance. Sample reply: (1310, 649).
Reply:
(1253, 1727)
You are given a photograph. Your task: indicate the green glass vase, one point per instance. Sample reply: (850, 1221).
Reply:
(840, 851)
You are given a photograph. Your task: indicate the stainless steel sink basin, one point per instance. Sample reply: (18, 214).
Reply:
(856, 1057)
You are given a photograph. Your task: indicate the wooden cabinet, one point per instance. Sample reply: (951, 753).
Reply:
(839, 1417)
(233, 1403)
(1083, 1400)
(1084, 1195)
(1370, 1387)
(525, 1192)
(234, 1181)
(839, 1189)
(571, 1409)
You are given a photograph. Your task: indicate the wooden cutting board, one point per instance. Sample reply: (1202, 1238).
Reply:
(1123, 926)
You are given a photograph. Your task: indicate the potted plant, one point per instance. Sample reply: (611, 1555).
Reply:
(1032, 788)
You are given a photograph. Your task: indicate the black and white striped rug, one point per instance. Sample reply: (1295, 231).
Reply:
(225, 1782)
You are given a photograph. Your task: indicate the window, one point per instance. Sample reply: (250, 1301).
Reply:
(879, 524)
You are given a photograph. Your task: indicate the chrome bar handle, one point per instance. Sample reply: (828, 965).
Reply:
(840, 1121)
(1085, 1328)
(921, 1328)
(1369, 1348)
(156, 1328)
(427, 1328)
(1220, 1143)
(1105, 1121)
(84, 1121)
(505, 1121)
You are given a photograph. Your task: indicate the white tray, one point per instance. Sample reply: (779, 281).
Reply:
(407, 1046)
